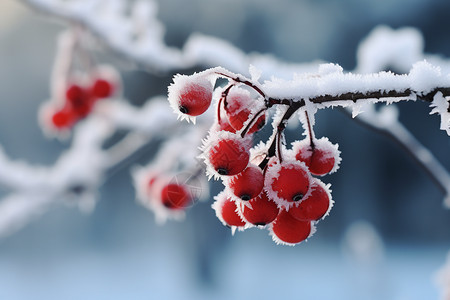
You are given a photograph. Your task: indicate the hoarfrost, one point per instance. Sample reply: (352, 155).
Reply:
(441, 106)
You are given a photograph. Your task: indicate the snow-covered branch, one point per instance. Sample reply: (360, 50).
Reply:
(78, 173)
(139, 37)
(329, 86)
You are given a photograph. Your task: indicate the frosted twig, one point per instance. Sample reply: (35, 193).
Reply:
(139, 37)
(386, 121)
(81, 169)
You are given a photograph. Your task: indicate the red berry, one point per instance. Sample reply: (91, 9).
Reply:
(320, 158)
(227, 127)
(248, 184)
(238, 109)
(287, 182)
(226, 211)
(314, 207)
(74, 92)
(228, 156)
(262, 211)
(286, 229)
(101, 88)
(79, 100)
(175, 196)
(224, 125)
(63, 118)
(190, 95)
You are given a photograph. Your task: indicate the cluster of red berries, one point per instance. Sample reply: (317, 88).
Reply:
(267, 186)
(79, 101)
(281, 195)
(79, 97)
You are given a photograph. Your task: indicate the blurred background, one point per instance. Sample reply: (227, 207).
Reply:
(385, 238)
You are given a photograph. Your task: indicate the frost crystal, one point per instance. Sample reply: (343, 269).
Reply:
(441, 106)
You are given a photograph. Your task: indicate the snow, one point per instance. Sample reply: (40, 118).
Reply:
(385, 47)
(239, 99)
(441, 106)
(255, 73)
(425, 77)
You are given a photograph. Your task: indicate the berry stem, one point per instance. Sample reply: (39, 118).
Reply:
(225, 93)
(85, 56)
(243, 80)
(63, 61)
(310, 131)
(218, 110)
(252, 122)
(276, 136)
(279, 134)
(223, 99)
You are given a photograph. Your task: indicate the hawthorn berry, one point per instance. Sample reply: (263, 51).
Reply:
(238, 108)
(175, 196)
(75, 92)
(190, 95)
(63, 118)
(221, 123)
(227, 127)
(321, 157)
(101, 88)
(226, 211)
(287, 181)
(259, 211)
(228, 155)
(315, 206)
(285, 229)
(248, 184)
(79, 100)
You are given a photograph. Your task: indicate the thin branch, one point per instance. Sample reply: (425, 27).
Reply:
(407, 94)
(421, 155)
(243, 80)
(310, 131)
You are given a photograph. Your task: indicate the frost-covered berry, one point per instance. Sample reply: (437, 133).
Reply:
(315, 206)
(79, 100)
(102, 88)
(227, 154)
(175, 196)
(248, 184)
(190, 95)
(226, 211)
(239, 108)
(75, 92)
(288, 230)
(259, 211)
(321, 159)
(63, 119)
(226, 127)
(287, 182)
